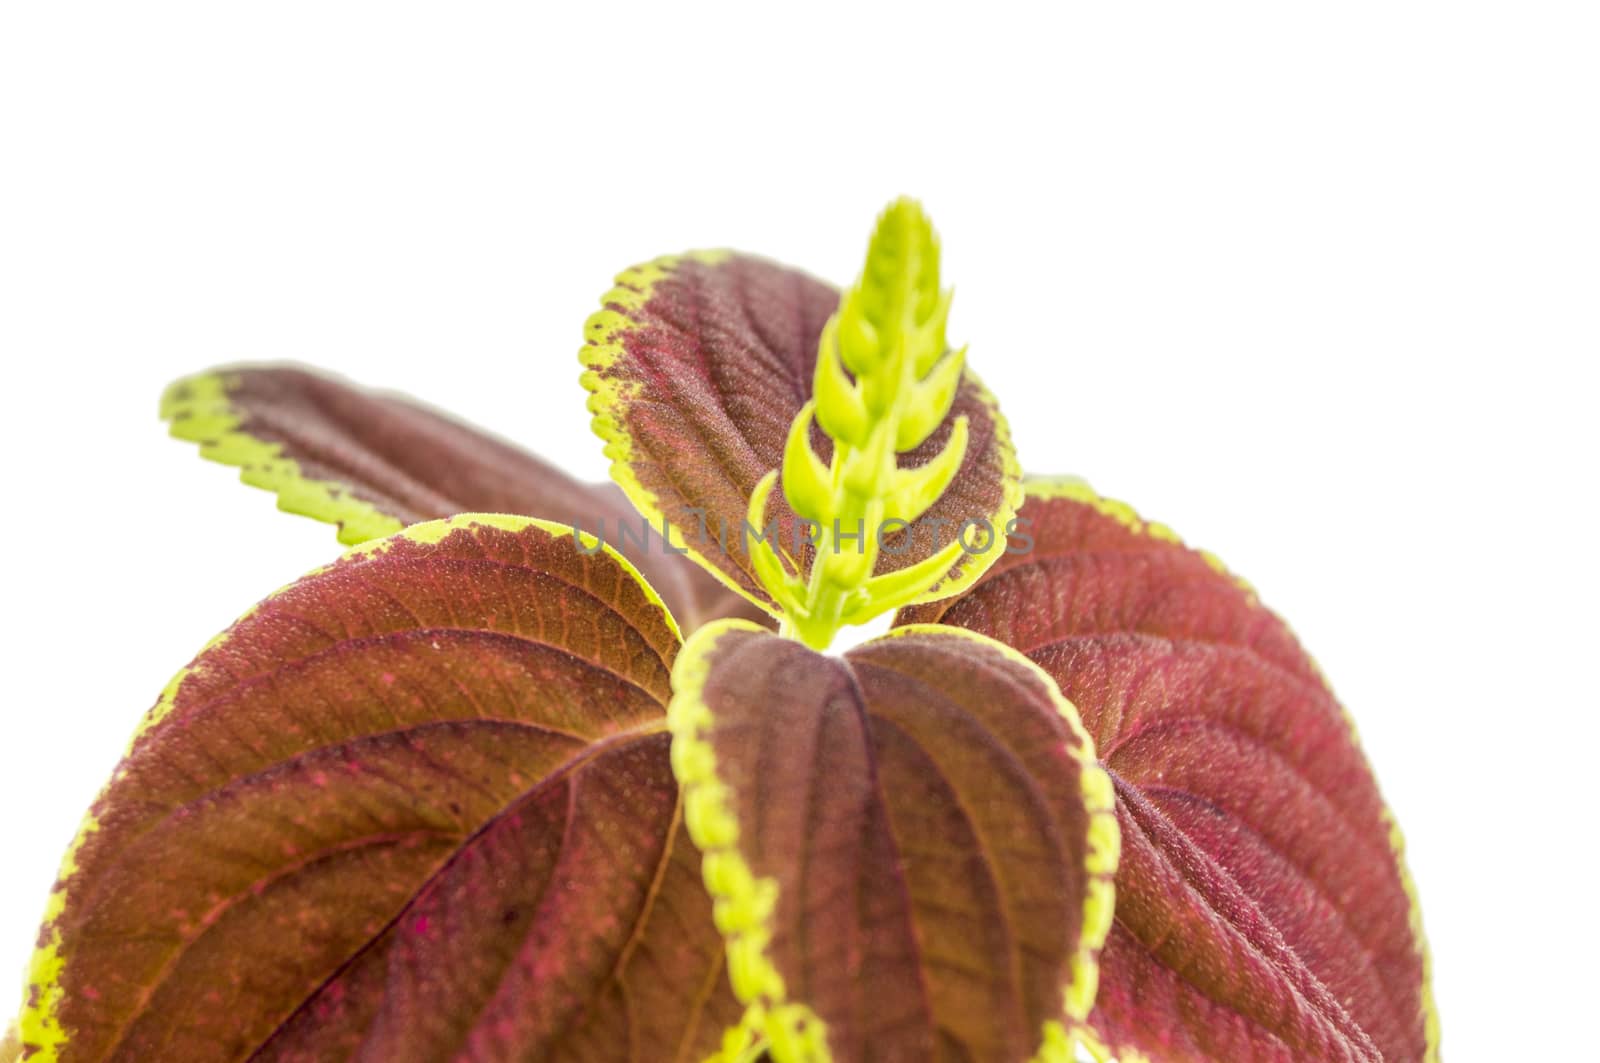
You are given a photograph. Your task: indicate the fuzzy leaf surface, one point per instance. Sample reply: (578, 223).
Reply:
(911, 846)
(356, 827)
(1263, 907)
(698, 365)
(373, 462)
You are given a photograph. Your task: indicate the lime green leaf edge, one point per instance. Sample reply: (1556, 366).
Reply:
(971, 567)
(610, 394)
(199, 409)
(1104, 852)
(743, 903)
(1077, 489)
(38, 1024)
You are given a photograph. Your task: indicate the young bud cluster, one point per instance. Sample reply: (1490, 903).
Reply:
(884, 383)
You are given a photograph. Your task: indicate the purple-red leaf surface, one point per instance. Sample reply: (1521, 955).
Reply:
(911, 846)
(1263, 909)
(417, 805)
(698, 365)
(373, 462)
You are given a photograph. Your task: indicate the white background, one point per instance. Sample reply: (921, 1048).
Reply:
(1315, 284)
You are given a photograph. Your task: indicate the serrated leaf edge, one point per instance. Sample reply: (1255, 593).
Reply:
(38, 1024)
(1077, 489)
(742, 903)
(200, 409)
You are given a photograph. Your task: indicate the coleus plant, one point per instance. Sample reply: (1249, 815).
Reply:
(469, 791)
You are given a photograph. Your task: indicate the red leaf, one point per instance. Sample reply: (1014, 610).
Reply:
(911, 846)
(399, 766)
(699, 365)
(374, 462)
(1263, 908)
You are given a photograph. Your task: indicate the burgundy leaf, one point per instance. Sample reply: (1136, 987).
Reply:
(911, 846)
(698, 366)
(1263, 906)
(373, 462)
(362, 816)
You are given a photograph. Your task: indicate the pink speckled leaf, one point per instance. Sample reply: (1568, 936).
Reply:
(1263, 908)
(356, 827)
(924, 815)
(699, 364)
(373, 462)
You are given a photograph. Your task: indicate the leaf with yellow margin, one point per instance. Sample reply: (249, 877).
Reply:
(356, 826)
(372, 462)
(697, 367)
(910, 847)
(1263, 906)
